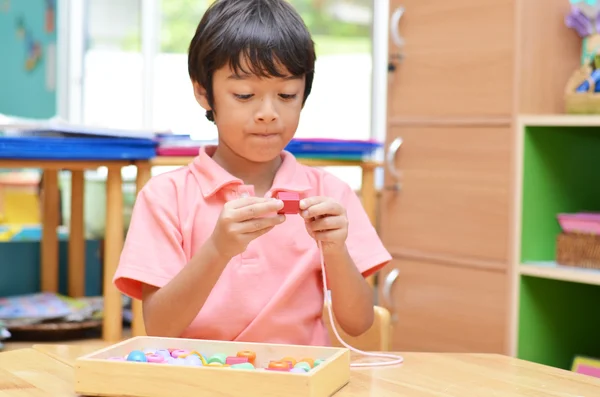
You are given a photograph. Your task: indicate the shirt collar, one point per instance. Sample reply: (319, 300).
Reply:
(290, 177)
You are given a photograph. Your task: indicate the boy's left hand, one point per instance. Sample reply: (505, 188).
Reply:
(326, 221)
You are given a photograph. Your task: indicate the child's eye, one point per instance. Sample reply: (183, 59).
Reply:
(243, 96)
(287, 96)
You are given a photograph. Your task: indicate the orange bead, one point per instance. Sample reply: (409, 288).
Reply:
(279, 365)
(250, 355)
(291, 360)
(309, 361)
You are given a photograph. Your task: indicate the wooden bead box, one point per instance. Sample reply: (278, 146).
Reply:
(99, 374)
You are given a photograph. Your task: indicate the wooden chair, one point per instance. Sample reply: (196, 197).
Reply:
(376, 338)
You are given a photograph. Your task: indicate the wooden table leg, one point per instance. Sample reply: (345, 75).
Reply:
(76, 264)
(49, 244)
(137, 324)
(112, 329)
(369, 201)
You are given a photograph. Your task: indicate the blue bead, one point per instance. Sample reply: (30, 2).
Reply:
(137, 355)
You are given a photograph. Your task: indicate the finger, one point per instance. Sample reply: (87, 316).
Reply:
(256, 224)
(310, 201)
(245, 201)
(257, 210)
(325, 208)
(327, 236)
(258, 233)
(328, 223)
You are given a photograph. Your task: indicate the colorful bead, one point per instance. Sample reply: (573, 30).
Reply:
(137, 356)
(279, 365)
(244, 359)
(177, 353)
(219, 358)
(170, 360)
(291, 360)
(179, 361)
(154, 358)
(245, 365)
(164, 353)
(298, 370)
(304, 365)
(202, 358)
(194, 360)
(236, 360)
(309, 361)
(249, 354)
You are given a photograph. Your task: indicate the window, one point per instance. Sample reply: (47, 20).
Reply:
(112, 86)
(135, 68)
(342, 83)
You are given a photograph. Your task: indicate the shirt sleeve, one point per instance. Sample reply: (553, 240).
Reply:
(153, 251)
(363, 242)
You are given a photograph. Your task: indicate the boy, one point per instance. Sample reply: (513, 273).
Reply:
(206, 250)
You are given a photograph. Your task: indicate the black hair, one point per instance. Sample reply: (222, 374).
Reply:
(268, 34)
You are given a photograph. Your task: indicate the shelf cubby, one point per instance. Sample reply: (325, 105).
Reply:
(557, 171)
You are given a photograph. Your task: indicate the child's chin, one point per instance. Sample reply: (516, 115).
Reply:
(264, 155)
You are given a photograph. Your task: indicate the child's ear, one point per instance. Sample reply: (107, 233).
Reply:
(200, 95)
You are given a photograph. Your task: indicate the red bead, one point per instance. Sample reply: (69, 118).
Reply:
(291, 202)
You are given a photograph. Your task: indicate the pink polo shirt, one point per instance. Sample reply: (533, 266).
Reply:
(272, 292)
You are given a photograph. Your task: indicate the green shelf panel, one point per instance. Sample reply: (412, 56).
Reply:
(561, 173)
(558, 320)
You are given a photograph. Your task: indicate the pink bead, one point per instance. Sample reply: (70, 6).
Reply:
(231, 360)
(178, 352)
(154, 358)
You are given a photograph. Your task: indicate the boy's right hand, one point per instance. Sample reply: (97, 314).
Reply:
(242, 220)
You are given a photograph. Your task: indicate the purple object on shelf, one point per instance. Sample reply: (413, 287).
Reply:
(581, 222)
(578, 21)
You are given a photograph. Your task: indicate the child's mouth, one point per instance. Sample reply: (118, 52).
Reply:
(264, 136)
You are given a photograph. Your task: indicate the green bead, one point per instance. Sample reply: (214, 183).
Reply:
(217, 358)
(304, 365)
(318, 361)
(243, 366)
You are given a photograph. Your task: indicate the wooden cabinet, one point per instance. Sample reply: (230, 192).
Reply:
(446, 308)
(454, 195)
(467, 69)
(458, 58)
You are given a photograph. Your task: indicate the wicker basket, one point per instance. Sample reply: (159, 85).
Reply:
(581, 102)
(578, 250)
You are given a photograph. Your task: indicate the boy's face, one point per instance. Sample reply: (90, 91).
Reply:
(256, 117)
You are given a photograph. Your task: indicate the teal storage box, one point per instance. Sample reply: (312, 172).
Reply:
(20, 267)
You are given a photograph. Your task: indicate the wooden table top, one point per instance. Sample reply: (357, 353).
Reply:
(47, 370)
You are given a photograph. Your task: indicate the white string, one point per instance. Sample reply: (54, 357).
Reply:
(394, 358)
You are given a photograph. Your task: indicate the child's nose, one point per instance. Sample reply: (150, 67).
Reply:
(267, 112)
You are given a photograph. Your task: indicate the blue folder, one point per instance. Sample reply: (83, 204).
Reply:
(332, 149)
(76, 148)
